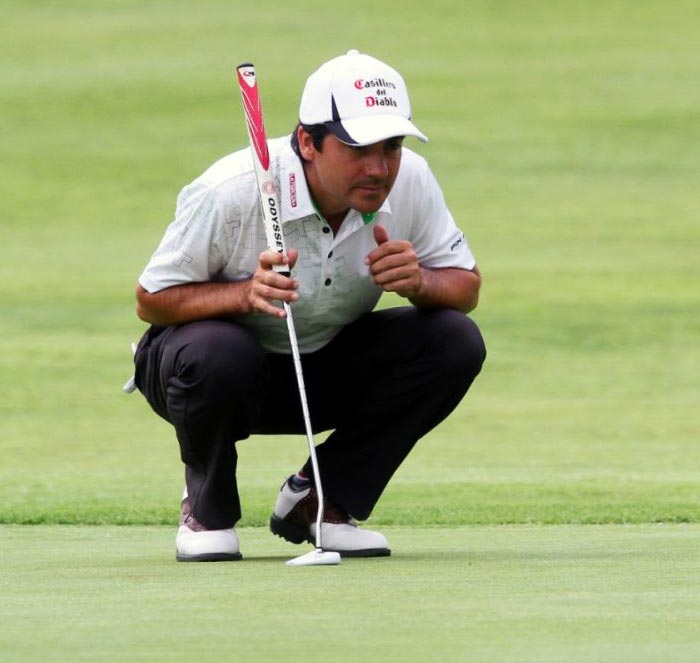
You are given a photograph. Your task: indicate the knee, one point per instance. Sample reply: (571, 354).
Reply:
(459, 343)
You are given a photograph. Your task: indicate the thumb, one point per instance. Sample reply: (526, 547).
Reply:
(292, 255)
(380, 234)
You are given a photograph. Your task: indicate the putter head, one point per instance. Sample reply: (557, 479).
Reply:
(316, 557)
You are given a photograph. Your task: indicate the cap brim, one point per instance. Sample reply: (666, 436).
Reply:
(369, 130)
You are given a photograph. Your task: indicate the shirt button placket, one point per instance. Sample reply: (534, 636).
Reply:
(328, 280)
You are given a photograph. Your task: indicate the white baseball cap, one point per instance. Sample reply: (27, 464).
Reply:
(360, 99)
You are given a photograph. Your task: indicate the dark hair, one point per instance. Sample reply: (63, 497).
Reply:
(317, 132)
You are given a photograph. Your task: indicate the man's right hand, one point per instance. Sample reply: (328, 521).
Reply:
(267, 285)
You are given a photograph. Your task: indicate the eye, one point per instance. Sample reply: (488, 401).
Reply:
(394, 144)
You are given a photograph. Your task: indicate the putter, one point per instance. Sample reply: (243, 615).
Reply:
(270, 203)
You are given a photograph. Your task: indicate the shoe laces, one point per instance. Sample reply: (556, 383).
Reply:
(331, 513)
(187, 518)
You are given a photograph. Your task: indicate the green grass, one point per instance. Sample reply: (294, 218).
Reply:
(487, 594)
(565, 137)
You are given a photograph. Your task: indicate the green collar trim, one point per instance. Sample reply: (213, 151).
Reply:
(367, 217)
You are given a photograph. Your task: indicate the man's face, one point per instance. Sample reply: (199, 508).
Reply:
(342, 176)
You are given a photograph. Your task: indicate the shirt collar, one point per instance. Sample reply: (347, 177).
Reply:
(295, 196)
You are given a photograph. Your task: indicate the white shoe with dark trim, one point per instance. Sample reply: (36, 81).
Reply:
(294, 519)
(196, 543)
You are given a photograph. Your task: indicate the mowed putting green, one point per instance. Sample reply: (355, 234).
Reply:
(517, 593)
(554, 517)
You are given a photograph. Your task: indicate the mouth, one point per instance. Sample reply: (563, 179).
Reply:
(371, 188)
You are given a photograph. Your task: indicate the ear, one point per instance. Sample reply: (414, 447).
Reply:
(306, 144)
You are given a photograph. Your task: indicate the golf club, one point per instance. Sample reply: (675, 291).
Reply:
(270, 203)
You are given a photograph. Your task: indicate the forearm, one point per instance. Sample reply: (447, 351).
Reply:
(448, 288)
(193, 301)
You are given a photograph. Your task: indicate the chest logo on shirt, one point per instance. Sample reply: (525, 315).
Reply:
(292, 189)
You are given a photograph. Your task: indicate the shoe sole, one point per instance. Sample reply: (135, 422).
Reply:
(209, 557)
(295, 534)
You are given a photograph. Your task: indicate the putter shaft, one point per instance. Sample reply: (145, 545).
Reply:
(307, 420)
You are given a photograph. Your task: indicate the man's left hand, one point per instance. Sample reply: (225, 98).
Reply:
(394, 264)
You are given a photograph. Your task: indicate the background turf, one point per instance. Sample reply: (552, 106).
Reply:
(565, 137)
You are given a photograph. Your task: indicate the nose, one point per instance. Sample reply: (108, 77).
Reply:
(376, 164)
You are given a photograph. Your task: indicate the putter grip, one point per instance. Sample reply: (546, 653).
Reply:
(268, 190)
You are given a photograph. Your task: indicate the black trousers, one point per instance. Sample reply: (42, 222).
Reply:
(380, 385)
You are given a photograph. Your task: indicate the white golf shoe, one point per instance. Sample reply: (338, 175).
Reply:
(196, 543)
(294, 519)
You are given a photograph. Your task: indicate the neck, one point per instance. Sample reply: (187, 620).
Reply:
(335, 220)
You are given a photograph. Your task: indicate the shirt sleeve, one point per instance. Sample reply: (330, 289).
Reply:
(435, 236)
(189, 251)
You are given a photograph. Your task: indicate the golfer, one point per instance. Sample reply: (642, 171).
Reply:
(361, 215)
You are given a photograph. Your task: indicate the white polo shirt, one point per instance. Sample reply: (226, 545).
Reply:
(218, 234)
